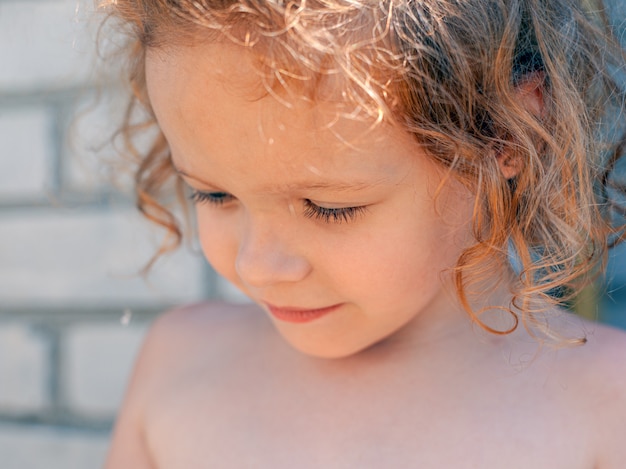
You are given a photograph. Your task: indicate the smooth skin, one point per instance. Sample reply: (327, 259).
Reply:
(302, 208)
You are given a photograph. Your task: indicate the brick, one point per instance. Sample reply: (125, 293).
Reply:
(26, 153)
(39, 447)
(98, 360)
(24, 369)
(61, 256)
(45, 44)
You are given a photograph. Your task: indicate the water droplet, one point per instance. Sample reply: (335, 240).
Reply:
(126, 316)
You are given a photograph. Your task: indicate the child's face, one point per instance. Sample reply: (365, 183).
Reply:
(332, 228)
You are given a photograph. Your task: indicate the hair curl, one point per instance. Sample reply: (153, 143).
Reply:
(446, 70)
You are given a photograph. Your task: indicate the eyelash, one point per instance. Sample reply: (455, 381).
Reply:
(311, 210)
(213, 198)
(332, 215)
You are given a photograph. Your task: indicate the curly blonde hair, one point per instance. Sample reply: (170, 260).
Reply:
(447, 71)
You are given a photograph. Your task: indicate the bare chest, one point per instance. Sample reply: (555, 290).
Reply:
(277, 423)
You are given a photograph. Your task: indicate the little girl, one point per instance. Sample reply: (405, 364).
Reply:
(409, 192)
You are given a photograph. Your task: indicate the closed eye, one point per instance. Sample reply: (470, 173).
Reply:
(213, 198)
(311, 209)
(332, 215)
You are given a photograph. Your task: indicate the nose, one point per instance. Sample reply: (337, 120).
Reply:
(267, 255)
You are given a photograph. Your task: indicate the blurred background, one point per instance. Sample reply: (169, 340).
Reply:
(73, 310)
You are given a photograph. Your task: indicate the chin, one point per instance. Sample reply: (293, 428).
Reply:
(324, 350)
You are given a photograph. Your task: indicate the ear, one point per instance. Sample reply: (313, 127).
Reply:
(529, 93)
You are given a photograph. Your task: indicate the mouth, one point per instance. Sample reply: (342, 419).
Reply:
(300, 315)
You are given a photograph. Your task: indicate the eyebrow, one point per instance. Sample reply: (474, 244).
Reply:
(337, 186)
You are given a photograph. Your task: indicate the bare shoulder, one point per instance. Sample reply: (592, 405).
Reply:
(599, 368)
(585, 386)
(607, 342)
(181, 346)
(192, 328)
(208, 314)
(604, 356)
(206, 336)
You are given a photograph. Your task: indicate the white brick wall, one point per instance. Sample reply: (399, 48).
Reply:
(98, 361)
(26, 152)
(45, 44)
(89, 256)
(42, 447)
(23, 369)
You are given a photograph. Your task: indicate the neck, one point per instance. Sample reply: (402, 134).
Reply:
(446, 318)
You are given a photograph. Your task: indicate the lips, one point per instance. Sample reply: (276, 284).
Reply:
(300, 315)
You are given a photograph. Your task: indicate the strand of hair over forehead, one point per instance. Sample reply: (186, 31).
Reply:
(340, 38)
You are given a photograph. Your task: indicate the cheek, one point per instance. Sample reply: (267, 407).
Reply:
(219, 246)
(404, 257)
(410, 258)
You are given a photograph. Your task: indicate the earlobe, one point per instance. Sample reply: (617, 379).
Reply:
(509, 163)
(529, 93)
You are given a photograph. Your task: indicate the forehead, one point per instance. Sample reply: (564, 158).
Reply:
(215, 95)
(244, 74)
